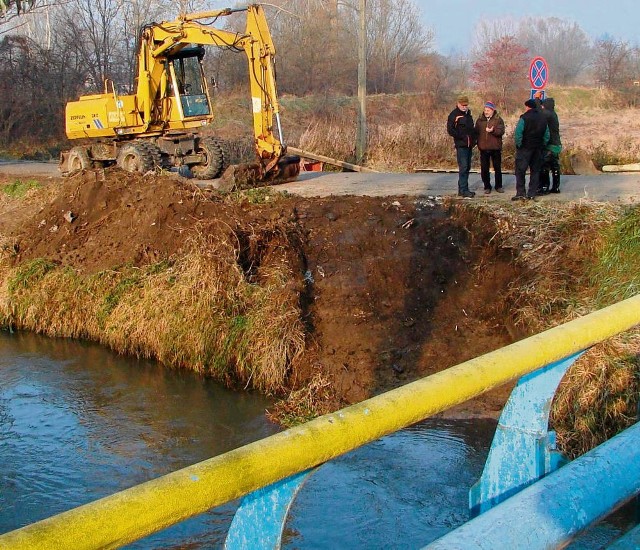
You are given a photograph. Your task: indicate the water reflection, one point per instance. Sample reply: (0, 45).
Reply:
(402, 491)
(78, 422)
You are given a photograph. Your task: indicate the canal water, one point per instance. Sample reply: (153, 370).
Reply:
(78, 422)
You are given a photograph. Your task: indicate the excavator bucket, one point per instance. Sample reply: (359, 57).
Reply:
(251, 175)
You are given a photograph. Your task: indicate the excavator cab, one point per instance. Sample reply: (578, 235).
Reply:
(189, 83)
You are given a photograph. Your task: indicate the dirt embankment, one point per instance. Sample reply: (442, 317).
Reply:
(393, 289)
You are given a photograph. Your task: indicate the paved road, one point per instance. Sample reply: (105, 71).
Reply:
(609, 187)
(24, 168)
(602, 187)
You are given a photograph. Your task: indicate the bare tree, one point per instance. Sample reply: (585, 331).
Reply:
(30, 87)
(14, 13)
(612, 62)
(396, 43)
(634, 66)
(490, 31)
(316, 52)
(14, 8)
(436, 76)
(564, 45)
(97, 28)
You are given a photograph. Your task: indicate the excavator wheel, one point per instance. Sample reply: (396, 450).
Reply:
(78, 160)
(226, 154)
(154, 152)
(136, 157)
(216, 159)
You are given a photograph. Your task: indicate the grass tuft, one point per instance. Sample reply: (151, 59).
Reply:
(19, 188)
(616, 273)
(304, 404)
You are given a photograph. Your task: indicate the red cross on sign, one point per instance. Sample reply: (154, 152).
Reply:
(538, 73)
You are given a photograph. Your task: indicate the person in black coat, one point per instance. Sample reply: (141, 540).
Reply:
(551, 158)
(531, 137)
(461, 128)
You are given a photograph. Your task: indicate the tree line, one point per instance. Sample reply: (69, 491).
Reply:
(52, 51)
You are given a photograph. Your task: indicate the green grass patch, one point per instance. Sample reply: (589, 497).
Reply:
(259, 195)
(19, 188)
(29, 274)
(112, 298)
(616, 275)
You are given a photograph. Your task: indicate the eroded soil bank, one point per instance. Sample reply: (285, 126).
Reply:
(388, 290)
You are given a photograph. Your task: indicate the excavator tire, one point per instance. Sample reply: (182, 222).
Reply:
(136, 157)
(226, 154)
(216, 155)
(154, 152)
(78, 160)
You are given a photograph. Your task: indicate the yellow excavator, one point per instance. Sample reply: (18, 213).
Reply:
(158, 125)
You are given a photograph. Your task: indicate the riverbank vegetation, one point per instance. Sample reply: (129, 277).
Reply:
(196, 311)
(578, 258)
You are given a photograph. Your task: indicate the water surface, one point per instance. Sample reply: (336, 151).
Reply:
(78, 422)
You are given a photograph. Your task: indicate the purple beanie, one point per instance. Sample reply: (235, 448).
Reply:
(490, 105)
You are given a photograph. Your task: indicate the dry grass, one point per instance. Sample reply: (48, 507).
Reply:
(406, 131)
(197, 311)
(314, 399)
(598, 396)
(578, 257)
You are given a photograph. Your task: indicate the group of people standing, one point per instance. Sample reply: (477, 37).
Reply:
(537, 140)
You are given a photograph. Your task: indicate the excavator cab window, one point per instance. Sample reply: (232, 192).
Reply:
(190, 83)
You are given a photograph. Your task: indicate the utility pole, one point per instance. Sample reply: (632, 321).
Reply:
(361, 137)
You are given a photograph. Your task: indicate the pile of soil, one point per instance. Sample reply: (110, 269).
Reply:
(395, 288)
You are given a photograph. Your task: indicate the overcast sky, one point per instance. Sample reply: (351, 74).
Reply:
(454, 20)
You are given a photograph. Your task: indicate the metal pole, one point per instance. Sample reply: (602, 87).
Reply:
(361, 137)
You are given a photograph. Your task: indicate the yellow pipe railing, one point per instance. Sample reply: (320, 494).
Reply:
(144, 509)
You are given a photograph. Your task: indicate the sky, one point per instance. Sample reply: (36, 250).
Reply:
(454, 20)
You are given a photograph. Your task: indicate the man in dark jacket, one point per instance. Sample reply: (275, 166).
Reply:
(490, 129)
(531, 136)
(551, 159)
(460, 127)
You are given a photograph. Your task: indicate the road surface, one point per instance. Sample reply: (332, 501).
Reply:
(601, 187)
(605, 187)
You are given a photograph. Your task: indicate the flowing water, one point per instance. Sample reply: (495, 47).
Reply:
(78, 422)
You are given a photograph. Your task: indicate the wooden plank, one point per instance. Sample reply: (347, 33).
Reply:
(621, 168)
(453, 171)
(328, 160)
